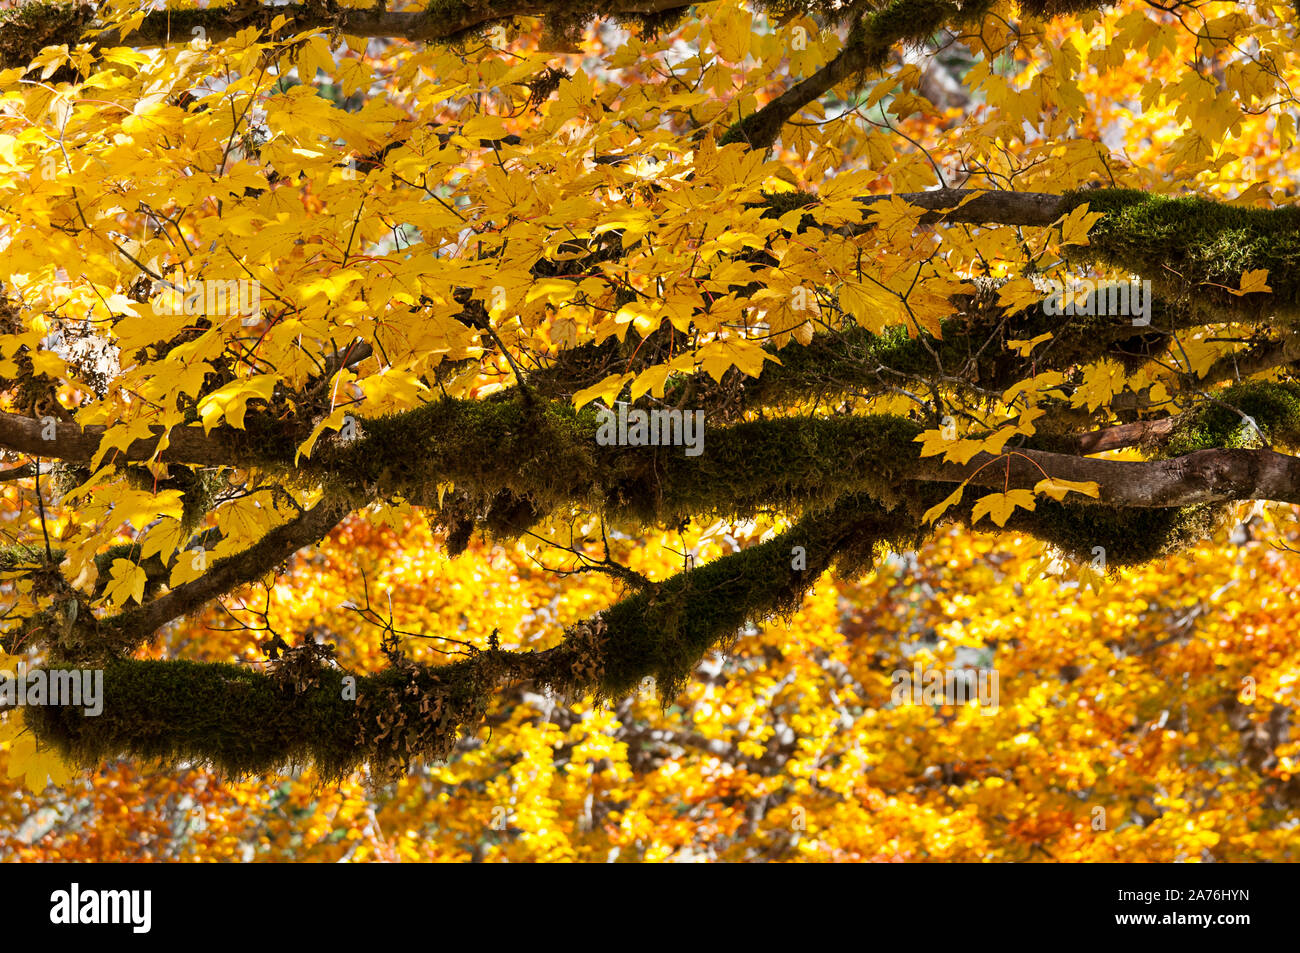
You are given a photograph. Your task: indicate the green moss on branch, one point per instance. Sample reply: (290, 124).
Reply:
(1274, 409)
(225, 715)
(1126, 536)
(502, 454)
(246, 722)
(1193, 249)
(28, 29)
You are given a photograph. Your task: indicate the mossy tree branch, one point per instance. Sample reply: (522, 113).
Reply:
(548, 455)
(24, 32)
(1205, 248)
(1191, 249)
(28, 29)
(858, 481)
(243, 721)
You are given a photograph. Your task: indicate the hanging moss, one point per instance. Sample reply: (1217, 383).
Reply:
(201, 489)
(777, 204)
(447, 10)
(652, 25)
(790, 462)
(1044, 9)
(901, 21)
(1128, 536)
(827, 10)
(411, 711)
(440, 13)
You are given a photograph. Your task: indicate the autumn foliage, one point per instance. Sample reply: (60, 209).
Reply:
(313, 320)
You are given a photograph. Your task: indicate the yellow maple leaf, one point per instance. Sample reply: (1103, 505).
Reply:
(485, 127)
(1056, 488)
(163, 539)
(717, 357)
(315, 55)
(120, 436)
(1018, 294)
(392, 390)
(963, 450)
(38, 768)
(1025, 423)
(1076, 224)
(895, 215)
(140, 507)
(1252, 281)
(1023, 347)
(938, 509)
(1101, 382)
(732, 28)
(128, 581)
(999, 506)
(651, 379)
(187, 568)
(335, 421)
(231, 400)
(607, 390)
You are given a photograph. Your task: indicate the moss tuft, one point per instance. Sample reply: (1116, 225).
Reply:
(1275, 409)
(24, 556)
(545, 455)
(776, 204)
(28, 29)
(900, 21)
(1128, 537)
(652, 25)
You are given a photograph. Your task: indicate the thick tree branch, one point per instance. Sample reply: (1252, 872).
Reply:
(1138, 433)
(1205, 476)
(24, 32)
(549, 456)
(982, 206)
(243, 721)
(52, 439)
